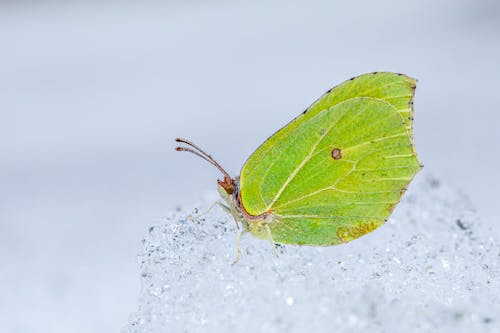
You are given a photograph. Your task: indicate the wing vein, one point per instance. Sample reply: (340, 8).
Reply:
(331, 187)
(312, 216)
(304, 161)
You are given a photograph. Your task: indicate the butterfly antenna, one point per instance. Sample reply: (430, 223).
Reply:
(200, 153)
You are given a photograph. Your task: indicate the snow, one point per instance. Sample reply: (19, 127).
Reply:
(431, 267)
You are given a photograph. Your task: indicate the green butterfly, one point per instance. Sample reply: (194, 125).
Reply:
(332, 174)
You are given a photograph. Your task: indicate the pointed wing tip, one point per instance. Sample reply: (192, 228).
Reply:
(409, 80)
(397, 74)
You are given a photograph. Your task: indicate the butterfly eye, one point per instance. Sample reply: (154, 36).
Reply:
(336, 153)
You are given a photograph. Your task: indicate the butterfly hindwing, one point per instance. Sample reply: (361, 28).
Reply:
(335, 172)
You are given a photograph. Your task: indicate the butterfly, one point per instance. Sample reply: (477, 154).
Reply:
(332, 174)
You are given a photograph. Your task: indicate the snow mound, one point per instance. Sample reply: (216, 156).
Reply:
(431, 268)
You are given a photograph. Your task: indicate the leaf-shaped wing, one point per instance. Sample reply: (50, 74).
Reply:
(336, 172)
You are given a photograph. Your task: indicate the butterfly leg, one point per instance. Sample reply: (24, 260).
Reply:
(217, 203)
(272, 241)
(238, 242)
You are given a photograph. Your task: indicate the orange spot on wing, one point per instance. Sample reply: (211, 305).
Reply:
(348, 233)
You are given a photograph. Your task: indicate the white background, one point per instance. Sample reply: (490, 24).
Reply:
(93, 94)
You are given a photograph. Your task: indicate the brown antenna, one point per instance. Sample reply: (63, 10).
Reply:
(199, 152)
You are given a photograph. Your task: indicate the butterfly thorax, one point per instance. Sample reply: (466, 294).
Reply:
(256, 225)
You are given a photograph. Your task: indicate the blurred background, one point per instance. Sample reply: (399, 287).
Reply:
(92, 95)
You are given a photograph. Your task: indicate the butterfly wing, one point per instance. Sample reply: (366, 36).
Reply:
(336, 171)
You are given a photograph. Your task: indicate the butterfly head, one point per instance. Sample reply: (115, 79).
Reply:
(227, 184)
